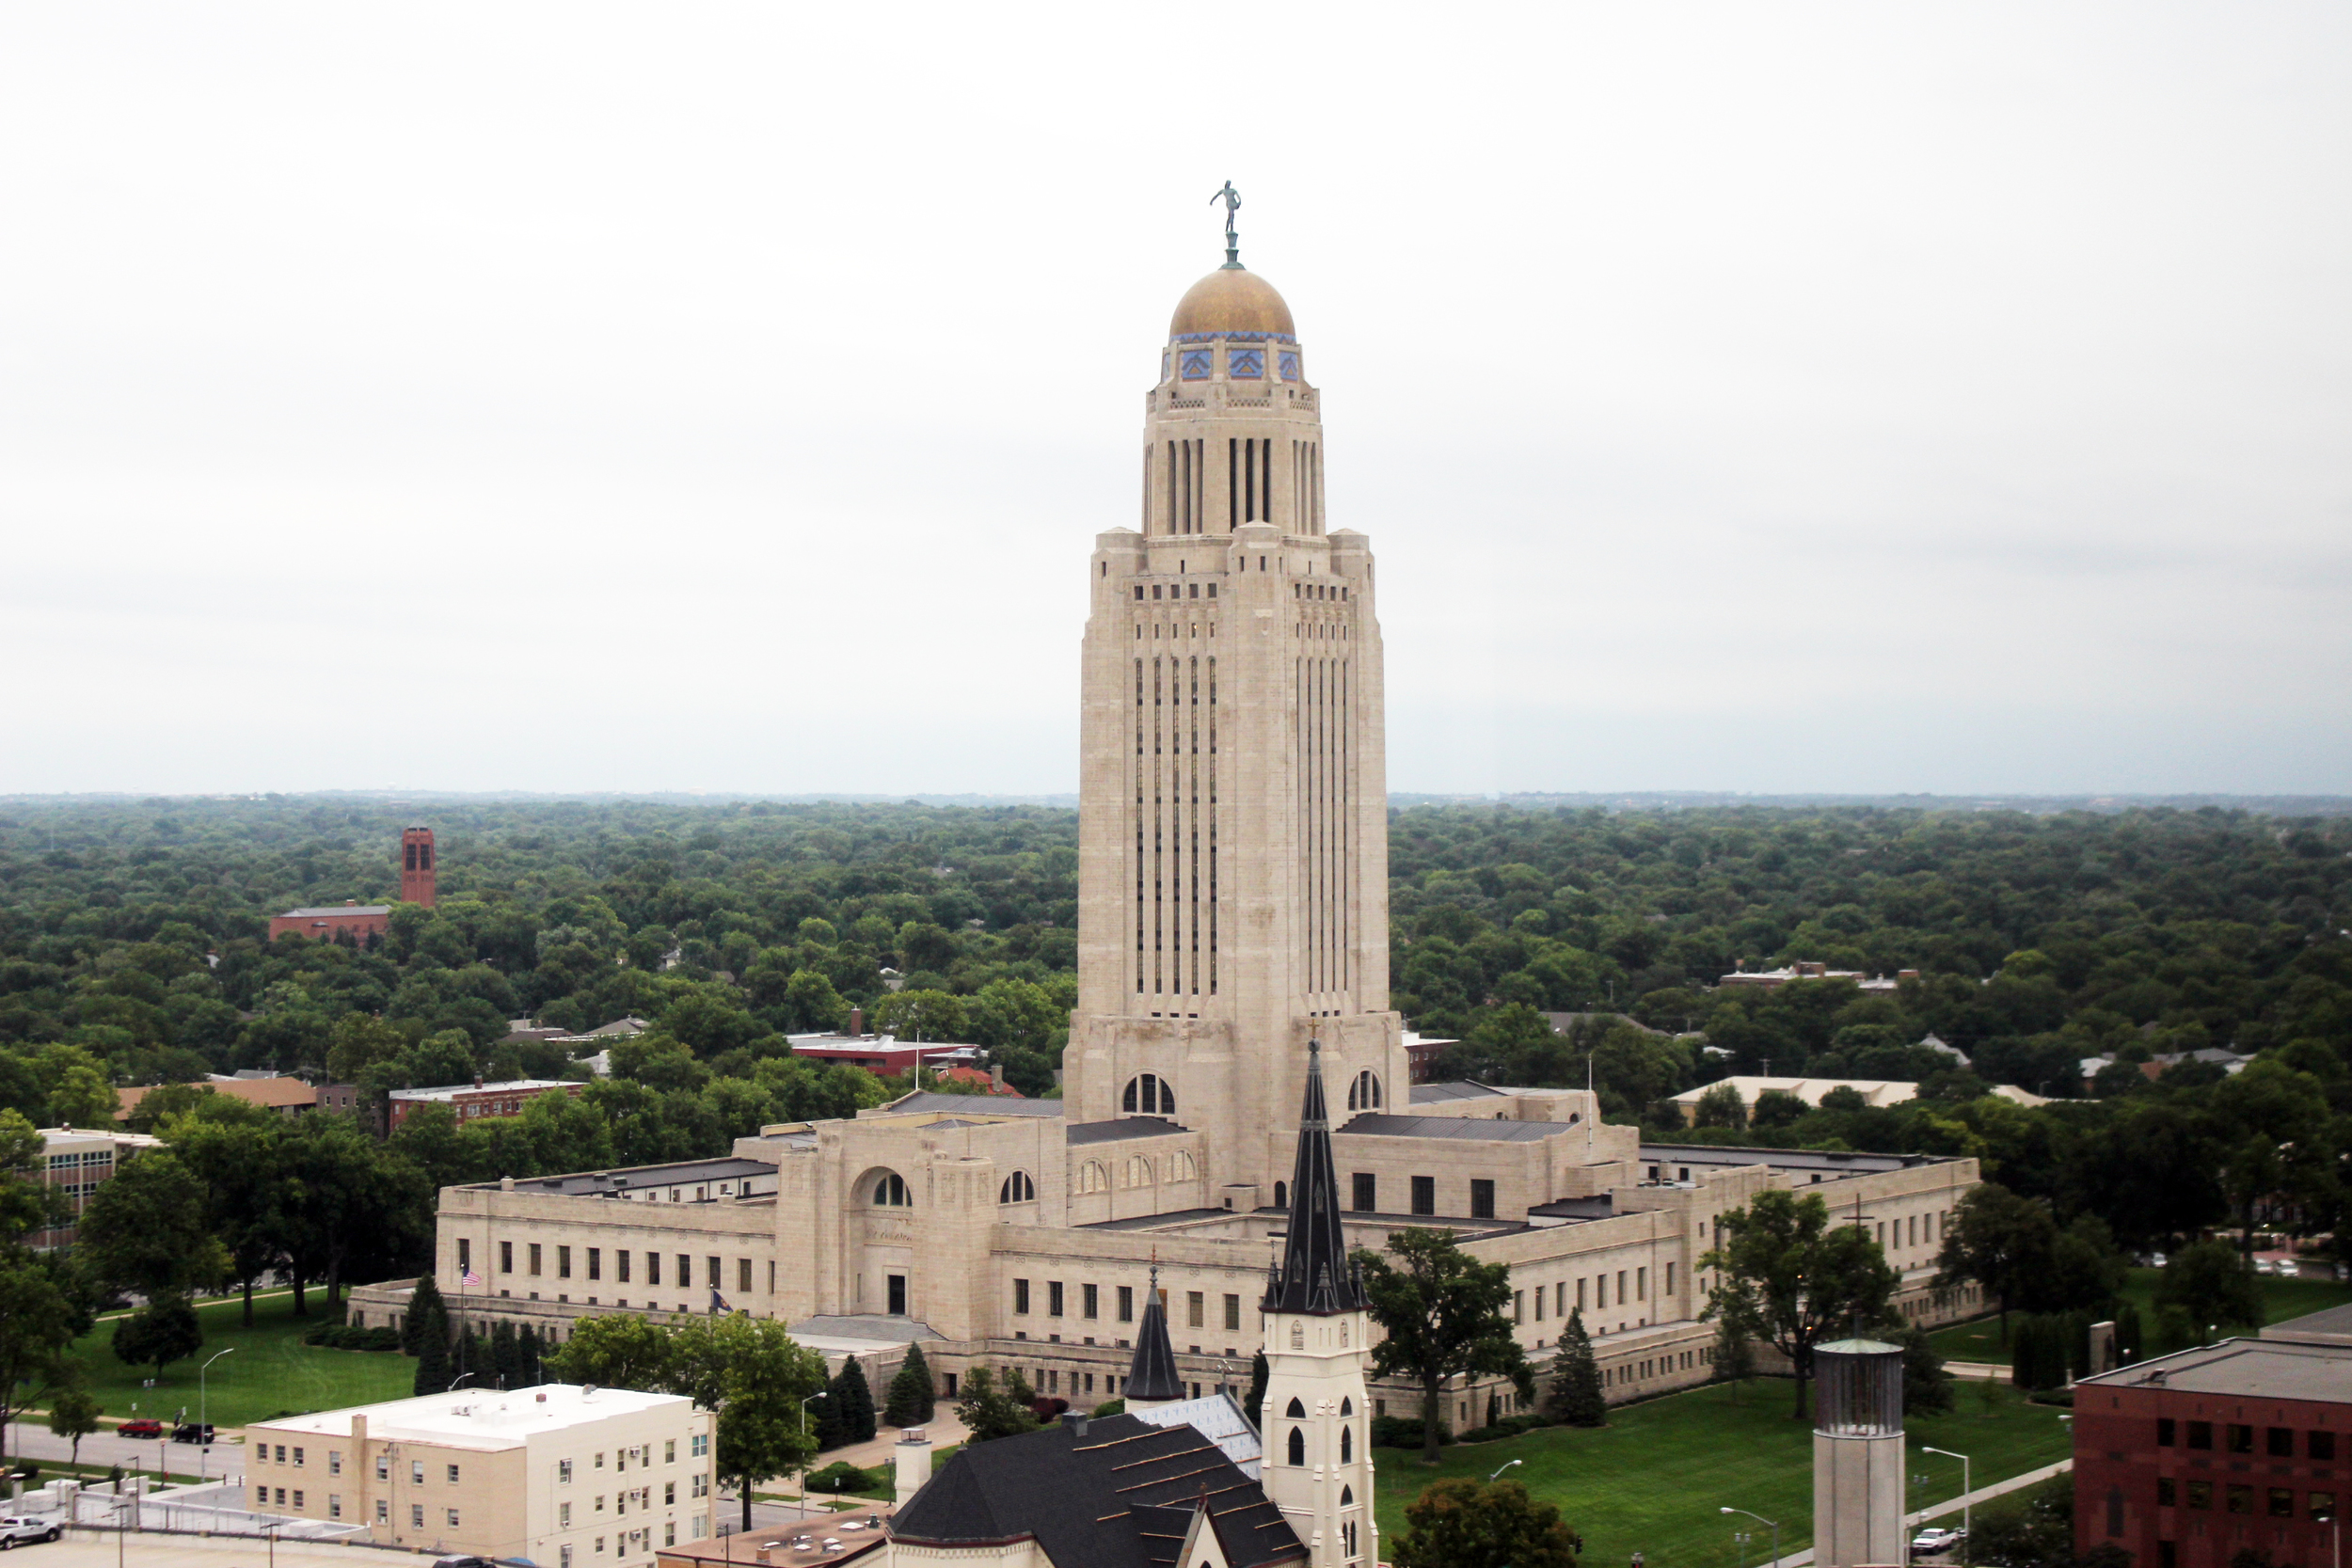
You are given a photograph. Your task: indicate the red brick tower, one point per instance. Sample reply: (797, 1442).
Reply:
(415, 866)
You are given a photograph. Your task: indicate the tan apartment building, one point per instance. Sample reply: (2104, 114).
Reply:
(76, 1162)
(569, 1476)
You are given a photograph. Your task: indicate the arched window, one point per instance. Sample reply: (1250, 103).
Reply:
(1347, 1406)
(1298, 1445)
(1093, 1177)
(1347, 1497)
(1347, 1539)
(1181, 1168)
(1136, 1172)
(1296, 1412)
(1347, 1444)
(1018, 1188)
(1149, 1095)
(1364, 1093)
(890, 1191)
(1281, 1195)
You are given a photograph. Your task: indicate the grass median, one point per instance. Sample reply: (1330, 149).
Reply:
(1655, 1480)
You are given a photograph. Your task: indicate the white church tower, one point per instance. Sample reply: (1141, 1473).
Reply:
(1317, 1422)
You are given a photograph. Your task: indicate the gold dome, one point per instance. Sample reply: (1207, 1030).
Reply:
(1230, 299)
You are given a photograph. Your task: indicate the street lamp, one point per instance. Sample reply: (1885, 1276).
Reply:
(1506, 1465)
(203, 1427)
(1761, 1520)
(1966, 1488)
(804, 1404)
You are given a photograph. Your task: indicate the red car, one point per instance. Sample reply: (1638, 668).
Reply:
(140, 1427)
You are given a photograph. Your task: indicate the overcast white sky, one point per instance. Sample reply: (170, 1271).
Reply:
(1760, 397)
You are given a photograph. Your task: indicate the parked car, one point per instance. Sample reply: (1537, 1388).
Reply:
(189, 1432)
(15, 1530)
(143, 1427)
(1937, 1539)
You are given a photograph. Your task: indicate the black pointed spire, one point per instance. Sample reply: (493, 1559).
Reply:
(1151, 1375)
(1315, 1275)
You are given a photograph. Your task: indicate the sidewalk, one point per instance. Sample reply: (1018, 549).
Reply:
(1982, 1493)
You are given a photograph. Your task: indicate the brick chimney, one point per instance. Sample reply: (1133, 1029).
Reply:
(857, 1023)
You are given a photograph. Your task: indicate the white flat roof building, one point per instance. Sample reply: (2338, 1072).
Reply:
(1874, 1091)
(565, 1475)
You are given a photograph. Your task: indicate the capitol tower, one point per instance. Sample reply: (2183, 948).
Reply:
(1233, 799)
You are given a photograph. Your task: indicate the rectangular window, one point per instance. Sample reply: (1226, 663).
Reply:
(2201, 1434)
(1126, 1304)
(2322, 1447)
(685, 1271)
(743, 1275)
(383, 1512)
(2281, 1441)
(465, 1256)
(1482, 1198)
(562, 1472)
(298, 1457)
(416, 1472)
(1367, 1194)
(2201, 1494)
(2282, 1502)
(2167, 1492)
(534, 1259)
(383, 1467)
(1641, 1284)
(2241, 1498)
(1020, 1295)
(2322, 1508)
(563, 1515)
(506, 1258)
(334, 1461)
(1053, 1298)
(334, 1505)
(1670, 1281)
(653, 1268)
(1424, 1195)
(453, 1518)
(1519, 1305)
(595, 1262)
(2167, 1431)
(297, 1502)
(2241, 1438)
(416, 1515)
(1196, 1309)
(563, 1262)
(1620, 1288)
(1233, 1313)
(712, 1273)
(261, 1496)
(1579, 1295)
(452, 1475)
(1090, 1301)
(669, 1451)
(620, 1265)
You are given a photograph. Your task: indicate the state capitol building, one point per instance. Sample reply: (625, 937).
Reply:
(1233, 909)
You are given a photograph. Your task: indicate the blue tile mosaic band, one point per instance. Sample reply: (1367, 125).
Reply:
(1247, 362)
(1289, 363)
(1196, 364)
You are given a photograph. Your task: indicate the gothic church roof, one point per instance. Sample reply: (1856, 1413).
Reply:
(1315, 1275)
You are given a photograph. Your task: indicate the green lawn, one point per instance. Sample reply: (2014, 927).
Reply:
(273, 1372)
(1655, 1479)
(1979, 1339)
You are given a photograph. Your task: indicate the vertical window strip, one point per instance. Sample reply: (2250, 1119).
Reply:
(1213, 912)
(1232, 483)
(1138, 779)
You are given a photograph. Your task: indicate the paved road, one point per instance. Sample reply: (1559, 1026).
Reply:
(85, 1548)
(34, 1440)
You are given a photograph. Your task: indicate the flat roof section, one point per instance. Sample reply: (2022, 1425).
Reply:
(1431, 1093)
(1174, 1216)
(1376, 1124)
(1838, 1160)
(484, 1419)
(967, 1104)
(1124, 1128)
(600, 1183)
(2332, 1325)
(2249, 1369)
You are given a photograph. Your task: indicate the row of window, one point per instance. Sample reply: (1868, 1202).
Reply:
(2278, 1502)
(1176, 591)
(698, 1486)
(2278, 1442)
(1365, 1195)
(1558, 1304)
(1089, 1304)
(630, 1543)
(592, 1259)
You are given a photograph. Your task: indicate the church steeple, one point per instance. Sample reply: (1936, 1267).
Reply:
(1152, 1374)
(1315, 1276)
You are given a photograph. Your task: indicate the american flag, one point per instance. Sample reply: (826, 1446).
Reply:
(470, 1277)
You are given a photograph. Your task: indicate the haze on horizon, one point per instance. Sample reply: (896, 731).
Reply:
(1774, 399)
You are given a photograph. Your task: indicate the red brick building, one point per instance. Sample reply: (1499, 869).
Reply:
(2187, 1460)
(477, 1098)
(350, 919)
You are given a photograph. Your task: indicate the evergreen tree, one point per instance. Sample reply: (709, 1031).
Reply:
(1927, 1387)
(430, 1324)
(425, 1306)
(533, 1371)
(1576, 1395)
(506, 1354)
(1256, 1402)
(1494, 1409)
(853, 1401)
(910, 1400)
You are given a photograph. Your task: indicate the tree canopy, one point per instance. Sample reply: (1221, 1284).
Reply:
(1443, 1314)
